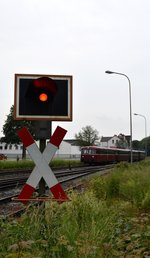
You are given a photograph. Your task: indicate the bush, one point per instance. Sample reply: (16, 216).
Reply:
(146, 200)
(129, 183)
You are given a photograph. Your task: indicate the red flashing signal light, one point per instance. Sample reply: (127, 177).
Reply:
(43, 97)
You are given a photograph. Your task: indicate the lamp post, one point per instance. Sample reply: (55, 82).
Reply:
(131, 151)
(145, 130)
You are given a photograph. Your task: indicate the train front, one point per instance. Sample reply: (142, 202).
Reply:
(87, 154)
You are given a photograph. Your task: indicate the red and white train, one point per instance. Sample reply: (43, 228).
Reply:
(95, 155)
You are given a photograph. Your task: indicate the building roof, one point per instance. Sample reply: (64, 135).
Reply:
(127, 137)
(105, 139)
(73, 142)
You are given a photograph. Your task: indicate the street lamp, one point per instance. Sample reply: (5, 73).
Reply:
(145, 130)
(131, 151)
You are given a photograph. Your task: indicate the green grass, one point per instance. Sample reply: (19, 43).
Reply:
(110, 219)
(5, 164)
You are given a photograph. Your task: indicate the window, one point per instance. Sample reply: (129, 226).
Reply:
(110, 151)
(84, 151)
(101, 151)
(6, 146)
(123, 152)
(92, 151)
(1, 147)
(16, 147)
(88, 151)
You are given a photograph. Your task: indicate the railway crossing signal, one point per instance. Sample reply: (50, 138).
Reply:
(43, 97)
(42, 168)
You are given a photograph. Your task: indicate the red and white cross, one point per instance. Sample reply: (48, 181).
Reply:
(42, 169)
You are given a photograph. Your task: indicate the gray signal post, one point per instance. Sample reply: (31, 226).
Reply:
(42, 187)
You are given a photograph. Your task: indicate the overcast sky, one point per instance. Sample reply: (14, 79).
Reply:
(82, 38)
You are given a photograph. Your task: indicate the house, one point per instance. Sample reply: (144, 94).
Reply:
(109, 141)
(120, 141)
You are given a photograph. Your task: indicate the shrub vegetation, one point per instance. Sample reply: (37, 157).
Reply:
(109, 219)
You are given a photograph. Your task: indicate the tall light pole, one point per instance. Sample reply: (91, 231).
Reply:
(145, 130)
(131, 150)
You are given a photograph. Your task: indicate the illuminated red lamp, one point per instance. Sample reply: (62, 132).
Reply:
(43, 97)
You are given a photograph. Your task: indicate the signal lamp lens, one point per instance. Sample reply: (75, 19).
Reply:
(43, 97)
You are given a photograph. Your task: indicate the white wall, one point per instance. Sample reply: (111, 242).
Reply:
(66, 150)
(103, 144)
(11, 150)
(112, 142)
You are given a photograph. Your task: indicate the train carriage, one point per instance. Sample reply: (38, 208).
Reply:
(96, 155)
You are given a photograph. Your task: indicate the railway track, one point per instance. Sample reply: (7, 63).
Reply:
(65, 177)
(19, 178)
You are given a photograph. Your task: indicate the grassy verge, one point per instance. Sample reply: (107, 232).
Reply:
(110, 219)
(30, 164)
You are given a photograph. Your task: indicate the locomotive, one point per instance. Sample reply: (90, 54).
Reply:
(97, 155)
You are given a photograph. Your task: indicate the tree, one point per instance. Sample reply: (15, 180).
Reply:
(87, 136)
(142, 145)
(136, 145)
(121, 144)
(10, 129)
(145, 142)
